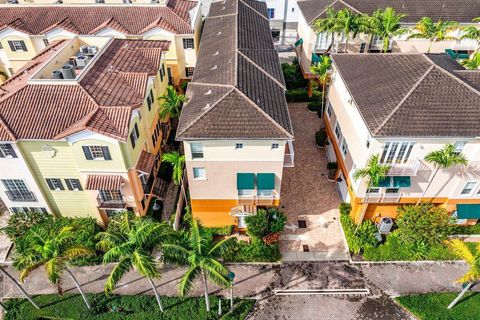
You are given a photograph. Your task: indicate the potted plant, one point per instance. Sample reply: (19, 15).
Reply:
(321, 138)
(332, 168)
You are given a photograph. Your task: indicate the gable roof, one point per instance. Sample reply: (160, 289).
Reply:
(461, 11)
(102, 101)
(237, 90)
(415, 95)
(131, 20)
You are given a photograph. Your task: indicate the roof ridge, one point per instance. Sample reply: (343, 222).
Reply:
(264, 113)
(206, 111)
(221, 16)
(235, 56)
(262, 70)
(79, 124)
(403, 99)
(256, 11)
(350, 6)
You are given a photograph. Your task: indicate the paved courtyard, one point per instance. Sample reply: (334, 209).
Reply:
(308, 196)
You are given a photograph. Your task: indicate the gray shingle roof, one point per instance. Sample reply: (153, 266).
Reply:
(413, 95)
(237, 90)
(461, 11)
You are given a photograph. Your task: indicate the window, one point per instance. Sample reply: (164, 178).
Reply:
(338, 132)
(134, 135)
(468, 188)
(189, 71)
(238, 146)
(110, 195)
(150, 100)
(459, 146)
(362, 47)
(27, 209)
(96, 153)
(373, 190)
(45, 42)
(6, 151)
(73, 184)
(271, 13)
(188, 43)
(265, 193)
(199, 174)
(197, 150)
(274, 145)
(245, 192)
(55, 184)
(17, 45)
(17, 190)
(329, 109)
(344, 147)
(396, 152)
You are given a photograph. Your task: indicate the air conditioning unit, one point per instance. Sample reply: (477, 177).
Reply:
(12, 1)
(72, 61)
(57, 74)
(92, 50)
(82, 61)
(68, 72)
(84, 49)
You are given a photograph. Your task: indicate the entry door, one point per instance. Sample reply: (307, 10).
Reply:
(342, 185)
(170, 78)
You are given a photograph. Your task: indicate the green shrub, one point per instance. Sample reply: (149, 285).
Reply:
(363, 238)
(20, 222)
(297, 95)
(345, 208)
(293, 76)
(265, 222)
(314, 106)
(256, 251)
(221, 231)
(321, 137)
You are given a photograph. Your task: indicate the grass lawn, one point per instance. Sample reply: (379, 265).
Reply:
(433, 306)
(71, 306)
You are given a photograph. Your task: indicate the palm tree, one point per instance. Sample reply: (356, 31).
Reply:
(471, 33)
(386, 25)
(473, 63)
(327, 25)
(53, 252)
(443, 159)
(25, 293)
(322, 71)
(200, 254)
(473, 259)
(434, 31)
(177, 161)
(374, 171)
(130, 242)
(347, 23)
(172, 103)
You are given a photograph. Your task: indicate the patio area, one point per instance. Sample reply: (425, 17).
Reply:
(313, 230)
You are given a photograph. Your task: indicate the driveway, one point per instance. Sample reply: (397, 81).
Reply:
(308, 196)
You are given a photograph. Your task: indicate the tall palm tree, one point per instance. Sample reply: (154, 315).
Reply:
(322, 71)
(177, 161)
(53, 252)
(471, 33)
(473, 63)
(473, 259)
(443, 159)
(25, 293)
(171, 103)
(130, 242)
(347, 23)
(200, 254)
(327, 25)
(434, 31)
(386, 25)
(374, 172)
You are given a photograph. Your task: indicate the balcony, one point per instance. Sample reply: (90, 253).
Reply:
(383, 197)
(110, 203)
(289, 157)
(410, 168)
(21, 196)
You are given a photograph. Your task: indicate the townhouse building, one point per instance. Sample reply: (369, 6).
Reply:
(401, 107)
(84, 139)
(25, 30)
(311, 44)
(235, 127)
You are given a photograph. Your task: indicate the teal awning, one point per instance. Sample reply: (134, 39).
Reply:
(298, 42)
(315, 58)
(265, 181)
(468, 211)
(385, 182)
(402, 182)
(245, 181)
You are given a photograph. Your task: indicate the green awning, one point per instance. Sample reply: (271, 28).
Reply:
(468, 211)
(265, 181)
(402, 182)
(245, 181)
(316, 58)
(298, 42)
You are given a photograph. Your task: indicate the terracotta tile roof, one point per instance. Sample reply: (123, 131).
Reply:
(146, 161)
(132, 19)
(101, 102)
(416, 95)
(238, 88)
(461, 11)
(104, 182)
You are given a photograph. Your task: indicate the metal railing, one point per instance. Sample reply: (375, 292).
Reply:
(21, 196)
(383, 197)
(405, 169)
(110, 203)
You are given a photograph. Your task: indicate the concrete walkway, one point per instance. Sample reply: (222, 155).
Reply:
(308, 196)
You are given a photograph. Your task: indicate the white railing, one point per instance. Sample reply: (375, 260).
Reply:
(383, 197)
(288, 160)
(405, 169)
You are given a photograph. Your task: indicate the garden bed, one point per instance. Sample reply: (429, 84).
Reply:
(434, 306)
(124, 307)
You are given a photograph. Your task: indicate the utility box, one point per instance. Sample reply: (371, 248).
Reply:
(385, 225)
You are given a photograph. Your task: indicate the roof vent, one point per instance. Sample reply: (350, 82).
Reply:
(208, 92)
(57, 74)
(214, 67)
(216, 53)
(207, 106)
(444, 5)
(219, 33)
(223, 8)
(68, 72)
(404, 6)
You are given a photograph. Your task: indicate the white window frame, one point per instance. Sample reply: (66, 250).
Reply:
(238, 146)
(397, 152)
(189, 71)
(344, 148)
(265, 192)
(194, 149)
(472, 189)
(275, 146)
(95, 151)
(338, 132)
(6, 151)
(196, 171)
(188, 43)
(458, 146)
(245, 192)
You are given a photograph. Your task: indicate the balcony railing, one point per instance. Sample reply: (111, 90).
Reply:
(21, 196)
(110, 203)
(383, 197)
(256, 200)
(405, 169)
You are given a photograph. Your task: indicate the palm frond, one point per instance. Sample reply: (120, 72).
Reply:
(188, 279)
(27, 269)
(145, 264)
(54, 268)
(460, 249)
(75, 252)
(116, 253)
(175, 253)
(222, 247)
(117, 274)
(216, 272)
